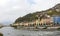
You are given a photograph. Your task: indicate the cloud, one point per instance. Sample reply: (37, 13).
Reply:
(44, 4)
(31, 2)
(10, 10)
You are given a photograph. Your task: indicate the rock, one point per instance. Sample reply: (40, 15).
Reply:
(1, 34)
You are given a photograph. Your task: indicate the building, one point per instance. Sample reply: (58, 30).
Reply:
(56, 19)
(43, 20)
(46, 21)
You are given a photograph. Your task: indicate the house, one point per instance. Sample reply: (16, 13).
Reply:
(46, 20)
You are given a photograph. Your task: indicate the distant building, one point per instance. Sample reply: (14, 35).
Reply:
(46, 20)
(56, 19)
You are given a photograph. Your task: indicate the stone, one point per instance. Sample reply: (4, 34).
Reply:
(1, 34)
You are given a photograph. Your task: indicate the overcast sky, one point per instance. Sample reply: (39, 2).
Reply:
(10, 10)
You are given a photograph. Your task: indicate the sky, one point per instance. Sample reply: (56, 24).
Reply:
(10, 10)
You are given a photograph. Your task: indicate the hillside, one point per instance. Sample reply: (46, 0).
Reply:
(33, 16)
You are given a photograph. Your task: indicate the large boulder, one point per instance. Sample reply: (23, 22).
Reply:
(1, 34)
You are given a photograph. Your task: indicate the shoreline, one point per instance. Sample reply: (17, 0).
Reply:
(40, 29)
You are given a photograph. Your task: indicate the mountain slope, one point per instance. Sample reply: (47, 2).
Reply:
(33, 16)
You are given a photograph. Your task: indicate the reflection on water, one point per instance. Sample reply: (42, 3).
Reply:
(9, 31)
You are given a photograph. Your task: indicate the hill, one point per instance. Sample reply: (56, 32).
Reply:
(33, 16)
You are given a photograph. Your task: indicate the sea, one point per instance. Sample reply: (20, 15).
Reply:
(10, 31)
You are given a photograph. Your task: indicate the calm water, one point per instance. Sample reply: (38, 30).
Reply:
(9, 31)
